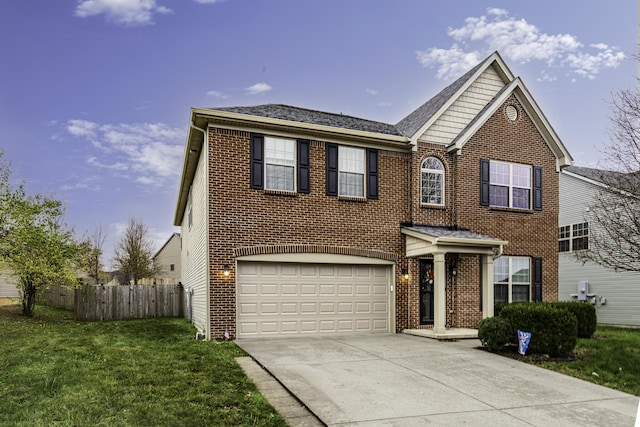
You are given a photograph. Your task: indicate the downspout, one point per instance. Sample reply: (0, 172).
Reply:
(204, 132)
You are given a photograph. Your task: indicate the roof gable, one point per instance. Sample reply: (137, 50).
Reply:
(517, 88)
(416, 123)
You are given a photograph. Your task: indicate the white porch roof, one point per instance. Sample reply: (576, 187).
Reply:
(426, 240)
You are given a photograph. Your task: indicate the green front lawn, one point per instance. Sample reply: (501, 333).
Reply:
(55, 371)
(610, 358)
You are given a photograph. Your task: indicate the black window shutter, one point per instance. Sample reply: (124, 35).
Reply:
(537, 279)
(372, 174)
(304, 182)
(332, 169)
(537, 188)
(484, 182)
(257, 161)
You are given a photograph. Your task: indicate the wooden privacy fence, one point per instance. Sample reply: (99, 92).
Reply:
(119, 302)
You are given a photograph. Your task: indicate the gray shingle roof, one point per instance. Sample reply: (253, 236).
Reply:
(414, 121)
(436, 231)
(303, 115)
(590, 173)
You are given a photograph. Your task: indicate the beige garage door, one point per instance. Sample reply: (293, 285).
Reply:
(297, 299)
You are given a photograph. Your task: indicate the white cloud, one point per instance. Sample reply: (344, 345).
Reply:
(518, 41)
(83, 128)
(150, 153)
(258, 88)
(207, 1)
(216, 94)
(126, 12)
(371, 91)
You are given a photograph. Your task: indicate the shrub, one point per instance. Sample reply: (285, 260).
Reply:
(554, 331)
(585, 315)
(494, 333)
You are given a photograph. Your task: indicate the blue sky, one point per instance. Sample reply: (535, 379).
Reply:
(95, 94)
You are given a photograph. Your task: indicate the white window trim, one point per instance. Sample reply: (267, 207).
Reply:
(424, 170)
(294, 166)
(511, 186)
(510, 282)
(363, 173)
(572, 236)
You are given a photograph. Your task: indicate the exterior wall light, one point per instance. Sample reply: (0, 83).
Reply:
(405, 273)
(226, 269)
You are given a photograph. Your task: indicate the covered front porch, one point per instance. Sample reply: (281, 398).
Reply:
(434, 243)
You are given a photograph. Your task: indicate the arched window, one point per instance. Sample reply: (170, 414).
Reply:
(432, 173)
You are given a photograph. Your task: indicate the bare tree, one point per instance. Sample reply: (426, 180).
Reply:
(95, 243)
(614, 213)
(133, 253)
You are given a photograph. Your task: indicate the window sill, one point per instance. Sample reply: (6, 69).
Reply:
(512, 210)
(281, 193)
(352, 199)
(430, 206)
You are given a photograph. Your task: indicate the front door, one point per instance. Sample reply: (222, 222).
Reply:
(426, 292)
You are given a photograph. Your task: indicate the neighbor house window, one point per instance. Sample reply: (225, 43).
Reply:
(432, 173)
(573, 237)
(512, 279)
(280, 164)
(172, 267)
(351, 171)
(509, 185)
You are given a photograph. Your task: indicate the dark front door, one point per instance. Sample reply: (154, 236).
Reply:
(426, 292)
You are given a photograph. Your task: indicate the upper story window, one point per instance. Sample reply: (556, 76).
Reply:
(573, 237)
(432, 188)
(510, 185)
(351, 170)
(280, 164)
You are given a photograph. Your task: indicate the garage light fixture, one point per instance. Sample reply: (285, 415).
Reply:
(226, 269)
(405, 273)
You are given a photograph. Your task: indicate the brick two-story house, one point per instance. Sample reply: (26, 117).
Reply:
(297, 221)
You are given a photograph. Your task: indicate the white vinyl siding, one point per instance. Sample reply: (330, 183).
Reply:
(194, 246)
(620, 289)
(8, 287)
(464, 109)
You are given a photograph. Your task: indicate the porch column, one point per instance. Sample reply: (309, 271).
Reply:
(439, 294)
(487, 286)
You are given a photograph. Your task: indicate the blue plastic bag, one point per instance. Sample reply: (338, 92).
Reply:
(523, 341)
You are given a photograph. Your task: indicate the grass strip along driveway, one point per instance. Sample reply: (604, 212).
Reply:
(55, 371)
(610, 358)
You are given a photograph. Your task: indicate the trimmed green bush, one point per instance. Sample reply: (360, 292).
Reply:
(554, 331)
(494, 333)
(585, 315)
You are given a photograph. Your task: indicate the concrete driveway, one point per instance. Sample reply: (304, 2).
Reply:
(402, 380)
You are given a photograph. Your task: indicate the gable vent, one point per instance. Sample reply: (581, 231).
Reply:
(511, 112)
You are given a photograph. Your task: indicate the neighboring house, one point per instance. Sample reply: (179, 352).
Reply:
(8, 286)
(615, 294)
(168, 258)
(301, 222)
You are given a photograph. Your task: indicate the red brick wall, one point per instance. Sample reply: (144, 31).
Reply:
(243, 217)
(530, 233)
